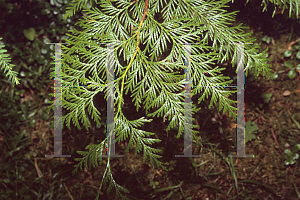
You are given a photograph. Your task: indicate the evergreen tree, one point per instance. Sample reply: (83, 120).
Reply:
(142, 32)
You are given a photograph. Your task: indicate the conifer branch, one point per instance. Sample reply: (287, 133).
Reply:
(6, 66)
(136, 51)
(152, 84)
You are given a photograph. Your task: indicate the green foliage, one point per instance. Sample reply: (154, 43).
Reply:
(292, 156)
(250, 129)
(292, 5)
(18, 171)
(154, 82)
(107, 176)
(6, 66)
(29, 33)
(76, 5)
(25, 33)
(21, 104)
(293, 59)
(93, 156)
(266, 97)
(266, 39)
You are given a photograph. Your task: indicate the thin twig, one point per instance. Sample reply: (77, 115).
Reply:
(274, 136)
(134, 1)
(254, 172)
(137, 49)
(291, 44)
(68, 192)
(297, 124)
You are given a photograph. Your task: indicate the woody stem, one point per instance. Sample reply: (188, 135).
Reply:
(137, 48)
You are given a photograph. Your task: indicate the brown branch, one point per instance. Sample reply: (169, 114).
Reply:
(289, 46)
(134, 1)
(274, 136)
(137, 49)
(145, 11)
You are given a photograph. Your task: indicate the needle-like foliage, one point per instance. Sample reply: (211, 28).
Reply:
(6, 66)
(154, 83)
(292, 5)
